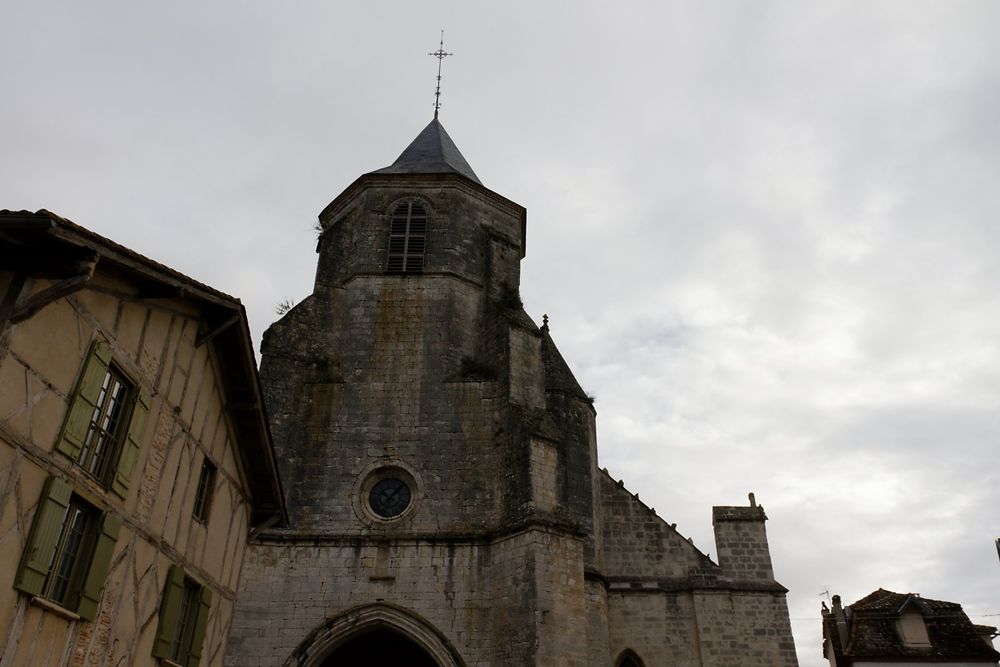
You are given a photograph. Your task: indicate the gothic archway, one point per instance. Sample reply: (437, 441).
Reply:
(381, 646)
(628, 658)
(375, 634)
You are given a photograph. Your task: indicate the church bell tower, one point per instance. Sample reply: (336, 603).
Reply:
(439, 461)
(436, 450)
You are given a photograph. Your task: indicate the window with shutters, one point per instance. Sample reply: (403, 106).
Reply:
(104, 422)
(183, 619)
(75, 534)
(106, 428)
(407, 238)
(68, 552)
(203, 494)
(180, 648)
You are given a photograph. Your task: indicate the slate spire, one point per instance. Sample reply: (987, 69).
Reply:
(432, 152)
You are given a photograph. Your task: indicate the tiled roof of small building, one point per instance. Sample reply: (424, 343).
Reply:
(432, 152)
(872, 631)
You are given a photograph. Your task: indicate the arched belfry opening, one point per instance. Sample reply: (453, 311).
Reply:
(378, 634)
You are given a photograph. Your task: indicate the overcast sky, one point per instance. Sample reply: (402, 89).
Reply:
(767, 233)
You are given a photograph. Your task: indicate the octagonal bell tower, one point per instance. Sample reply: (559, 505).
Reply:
(438, 456)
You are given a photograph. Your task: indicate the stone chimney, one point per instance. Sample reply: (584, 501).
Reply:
(741, 542)
(841, 621)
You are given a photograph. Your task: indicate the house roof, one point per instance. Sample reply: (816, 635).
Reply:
(432, 152)
(43, 244)
(872, 632)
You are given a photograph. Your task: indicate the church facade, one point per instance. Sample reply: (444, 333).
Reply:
(439, 460)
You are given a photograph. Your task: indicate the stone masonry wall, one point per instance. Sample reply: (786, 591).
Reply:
(670, 604)
(598, 625)
(515, 600)
(463, 228)
(637, 542)
(660, 628)
(442, 375)
(703, 627)
(561, 602)
(744, 628)
(741, 541)
(289, 590)
(394, 394)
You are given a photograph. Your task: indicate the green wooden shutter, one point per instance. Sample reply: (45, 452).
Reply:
(97, 572)
(44, 536)
(170, 612)
(130, 447)
(200, 626)
(83, 402)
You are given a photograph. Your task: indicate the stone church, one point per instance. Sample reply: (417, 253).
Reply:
(439, 461)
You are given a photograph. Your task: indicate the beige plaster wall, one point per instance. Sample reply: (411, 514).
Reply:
(153, 340)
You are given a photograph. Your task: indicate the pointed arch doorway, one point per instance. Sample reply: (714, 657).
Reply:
(381, 646)
(378, 634)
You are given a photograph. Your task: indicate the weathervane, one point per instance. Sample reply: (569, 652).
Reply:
(440, 55)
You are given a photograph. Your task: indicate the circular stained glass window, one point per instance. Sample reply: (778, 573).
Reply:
(389, 497)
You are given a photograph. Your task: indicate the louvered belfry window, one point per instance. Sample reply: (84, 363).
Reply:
(407, 237)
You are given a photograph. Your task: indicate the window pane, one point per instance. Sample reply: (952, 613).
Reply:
(69, 555)
(185, 628)
(102, 443)
(203, 494)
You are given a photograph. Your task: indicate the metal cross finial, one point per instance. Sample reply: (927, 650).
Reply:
(440, 55)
